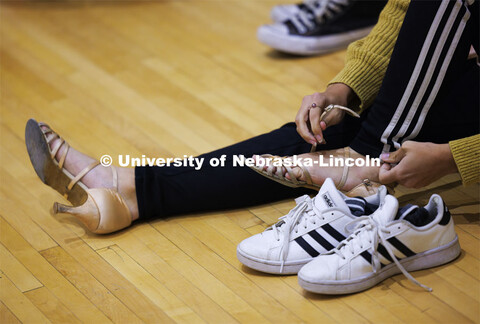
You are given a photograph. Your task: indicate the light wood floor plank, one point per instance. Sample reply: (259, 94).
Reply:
(468, 243)
(18, 304)
(274, 287)
(429, 304)
(16, 272)
(330, 305)
(448, 293)
(179, 285)
(215, 288)
(148, 285)
(243, 287)
(51, 306)
(89, 286)
(48, 276)
(6, 316)
(468, 264)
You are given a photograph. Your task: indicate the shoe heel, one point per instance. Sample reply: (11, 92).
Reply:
(59, 208)
(87, 213)
(103, 212)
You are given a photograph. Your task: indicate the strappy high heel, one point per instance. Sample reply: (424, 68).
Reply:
(101, 210)
(363, 189)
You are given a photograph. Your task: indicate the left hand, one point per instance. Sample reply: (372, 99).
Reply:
(417, 164)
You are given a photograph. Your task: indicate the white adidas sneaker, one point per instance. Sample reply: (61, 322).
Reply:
(384, 244)
(314, 226)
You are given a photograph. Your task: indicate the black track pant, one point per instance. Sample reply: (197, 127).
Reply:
(430, 93)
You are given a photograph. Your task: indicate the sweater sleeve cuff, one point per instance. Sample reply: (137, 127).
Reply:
(365, 85)
(466, 153)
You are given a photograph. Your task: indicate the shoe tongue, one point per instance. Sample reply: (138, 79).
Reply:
(329, 197)
(387, 211)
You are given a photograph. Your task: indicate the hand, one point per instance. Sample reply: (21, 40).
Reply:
(308, 121)
(418, 164)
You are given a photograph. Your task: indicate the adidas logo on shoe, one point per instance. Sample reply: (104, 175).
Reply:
(384, 244)
(314, 226)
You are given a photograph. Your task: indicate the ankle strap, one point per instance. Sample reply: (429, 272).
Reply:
(325, 112)
(84, 172)
(331, 107)
(346, 155)
(81, 175)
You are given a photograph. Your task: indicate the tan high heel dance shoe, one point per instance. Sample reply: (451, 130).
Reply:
(364, 189)
(102, 210)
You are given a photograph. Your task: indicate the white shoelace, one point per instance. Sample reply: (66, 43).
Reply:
(321, 9)
(368, 231)
(300, 215)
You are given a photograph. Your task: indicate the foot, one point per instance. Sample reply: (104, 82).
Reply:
(317, 26)
(98, 177)
(319, 173)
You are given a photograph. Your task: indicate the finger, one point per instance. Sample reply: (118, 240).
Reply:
(333, 117)
(303, 130)
(393, 157)
(387, 174)
(323, 125)
(315, 124)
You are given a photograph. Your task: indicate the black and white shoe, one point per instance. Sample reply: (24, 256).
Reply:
(282, 13)
(388, 242)
(314, 226)
(319, 26)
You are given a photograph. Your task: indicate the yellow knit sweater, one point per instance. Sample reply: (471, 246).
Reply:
(366, 63)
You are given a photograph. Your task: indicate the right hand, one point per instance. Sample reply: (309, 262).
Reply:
(309, 125)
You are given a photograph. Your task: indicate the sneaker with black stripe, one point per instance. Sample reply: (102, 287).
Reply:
(388, 242)
(319, 26)
(282, 13)
(314, 226)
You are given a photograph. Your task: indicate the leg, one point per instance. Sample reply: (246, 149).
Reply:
(169, 191)
(151, 192)
(430, 90)
(428, 69)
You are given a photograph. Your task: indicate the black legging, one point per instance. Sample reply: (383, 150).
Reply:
(166, 191)
(454, 113)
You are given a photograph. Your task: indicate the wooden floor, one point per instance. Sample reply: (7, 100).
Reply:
(164, 79)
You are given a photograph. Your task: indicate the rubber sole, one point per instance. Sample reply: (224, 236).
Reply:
(309, 45)
(46, 168)
(428, 259)
(268, 266)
